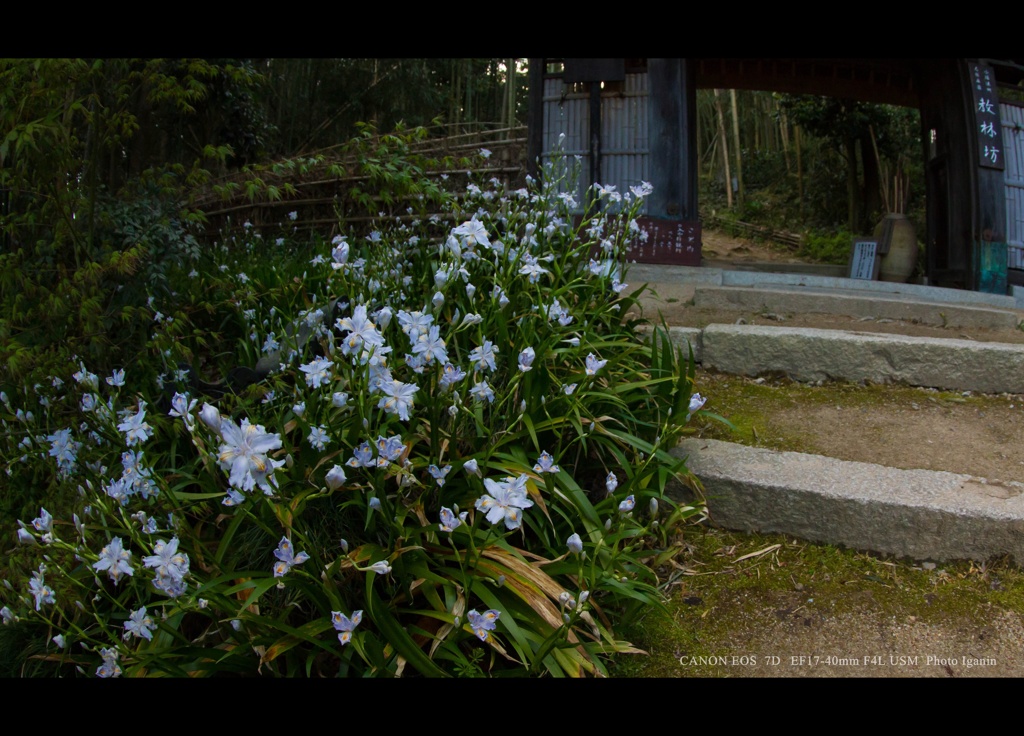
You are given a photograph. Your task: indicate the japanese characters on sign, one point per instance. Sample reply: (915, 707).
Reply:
(986, 116)
(666, 241)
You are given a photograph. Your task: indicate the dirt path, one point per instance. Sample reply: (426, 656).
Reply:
(897, 426)
(802, 626)
(719, 246)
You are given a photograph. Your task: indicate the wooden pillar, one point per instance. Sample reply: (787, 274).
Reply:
(949, 171)
(988, 237)
(673, 138)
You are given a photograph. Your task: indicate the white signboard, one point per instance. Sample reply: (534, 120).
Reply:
(865, 260)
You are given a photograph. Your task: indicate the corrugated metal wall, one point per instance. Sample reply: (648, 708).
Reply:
(625, 143)
(625, 148)
(1012, 117)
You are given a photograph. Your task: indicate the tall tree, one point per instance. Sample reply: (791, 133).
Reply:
(737, 146)
(724, 148)
(95, 158)
(847, 125)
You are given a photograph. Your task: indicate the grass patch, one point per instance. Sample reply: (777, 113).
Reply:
(723, 592)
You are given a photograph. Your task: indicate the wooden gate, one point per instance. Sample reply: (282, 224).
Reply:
(624, 146)
(606, 120)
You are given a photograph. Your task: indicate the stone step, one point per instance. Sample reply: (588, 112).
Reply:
(917, 513)
(808, 355)
(922, 514)
(680, 275)
(850, 303)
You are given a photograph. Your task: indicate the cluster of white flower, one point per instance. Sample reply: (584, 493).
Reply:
(472, 259)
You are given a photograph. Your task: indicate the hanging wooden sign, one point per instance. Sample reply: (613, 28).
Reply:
(986, 116)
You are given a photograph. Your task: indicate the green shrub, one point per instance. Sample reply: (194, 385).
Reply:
(827, 247)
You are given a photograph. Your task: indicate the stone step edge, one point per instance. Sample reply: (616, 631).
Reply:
(810, 355)
(921, 514)
(790, 300)
(728, 277)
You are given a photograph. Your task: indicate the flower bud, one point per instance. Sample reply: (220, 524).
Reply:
(653, 507)
(452, 244)
(344, 546)
(526, 358)
(210, 416)
(335, 477)
(24, 537)
(575, 544)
